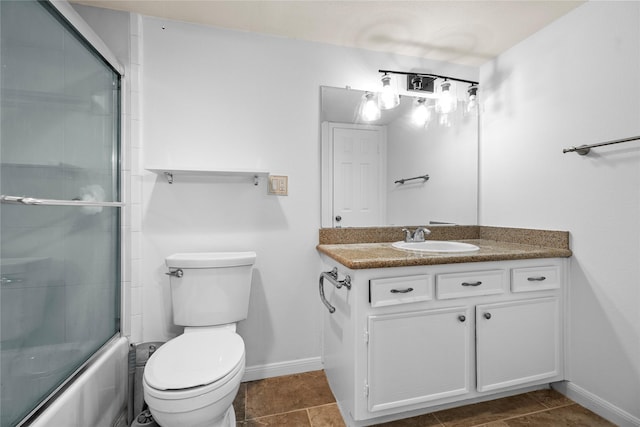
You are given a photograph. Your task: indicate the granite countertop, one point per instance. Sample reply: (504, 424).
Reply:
(382, 255)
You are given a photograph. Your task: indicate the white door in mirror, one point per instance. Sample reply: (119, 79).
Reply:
(357, 171)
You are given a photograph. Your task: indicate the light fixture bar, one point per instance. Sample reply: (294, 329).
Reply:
(436, 76)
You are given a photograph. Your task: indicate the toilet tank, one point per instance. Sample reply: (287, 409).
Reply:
(213, 288)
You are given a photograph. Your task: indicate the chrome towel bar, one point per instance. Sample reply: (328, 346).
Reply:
(332, 276)
(584, 149)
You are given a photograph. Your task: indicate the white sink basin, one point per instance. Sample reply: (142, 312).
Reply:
(436, 246)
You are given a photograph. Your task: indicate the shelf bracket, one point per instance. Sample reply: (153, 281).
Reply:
(169, 176)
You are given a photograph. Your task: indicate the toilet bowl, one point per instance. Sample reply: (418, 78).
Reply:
(192, 380)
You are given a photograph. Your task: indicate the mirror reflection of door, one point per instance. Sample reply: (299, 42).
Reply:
(359, 172)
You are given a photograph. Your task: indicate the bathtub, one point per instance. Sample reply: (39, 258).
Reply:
(98, 397)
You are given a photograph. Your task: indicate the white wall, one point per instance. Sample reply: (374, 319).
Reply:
(576, 82)
(216, 98)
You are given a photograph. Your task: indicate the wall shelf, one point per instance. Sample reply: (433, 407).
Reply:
(170, 173)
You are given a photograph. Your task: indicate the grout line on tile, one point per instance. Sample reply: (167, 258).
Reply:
(546, 405)
(246, 402)
(437, 419)
(533, 413)
(279, 413)
(309, 416)
(320, 406)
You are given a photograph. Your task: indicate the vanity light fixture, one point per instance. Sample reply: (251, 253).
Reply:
(388, 97)
(446, 97)
(369, 109)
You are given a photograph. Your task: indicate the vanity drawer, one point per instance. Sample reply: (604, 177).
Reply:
(540, 278)
(461, 285)
(400, 290)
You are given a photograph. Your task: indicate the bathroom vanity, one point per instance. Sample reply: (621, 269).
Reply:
(419, 332)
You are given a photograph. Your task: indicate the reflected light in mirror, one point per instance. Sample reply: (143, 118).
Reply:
(370, 109)
(421, 115)
(388, 97)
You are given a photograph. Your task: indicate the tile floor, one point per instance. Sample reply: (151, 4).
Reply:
(305, 400)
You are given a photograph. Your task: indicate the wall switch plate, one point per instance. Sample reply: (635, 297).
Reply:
(278, 185)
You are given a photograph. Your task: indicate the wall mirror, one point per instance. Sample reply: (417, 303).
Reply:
(364, 164)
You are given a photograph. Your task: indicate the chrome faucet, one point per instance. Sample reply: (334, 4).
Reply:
(417, 236)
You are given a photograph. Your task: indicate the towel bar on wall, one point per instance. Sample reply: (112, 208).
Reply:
(585, 149)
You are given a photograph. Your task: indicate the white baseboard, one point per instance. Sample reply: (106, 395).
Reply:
(596, 404)
(258, 372)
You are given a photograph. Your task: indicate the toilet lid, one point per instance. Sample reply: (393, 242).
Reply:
(194, 359)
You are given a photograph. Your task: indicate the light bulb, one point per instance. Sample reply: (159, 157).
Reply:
(472, 102)
(388, 97)
(421, 114)
(370, 109)
(447, 102)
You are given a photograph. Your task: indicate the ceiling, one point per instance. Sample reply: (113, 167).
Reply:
(463, 32)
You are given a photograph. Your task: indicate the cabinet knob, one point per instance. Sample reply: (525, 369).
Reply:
(462, 318)
(487, 316)
(338, 218)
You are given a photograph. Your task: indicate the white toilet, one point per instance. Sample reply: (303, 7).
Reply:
(191, 380)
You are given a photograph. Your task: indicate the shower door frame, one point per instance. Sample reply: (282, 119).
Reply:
(64, 12)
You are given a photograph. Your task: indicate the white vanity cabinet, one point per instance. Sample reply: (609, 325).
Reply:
(404, 349)
(409, 340)
(517, 342)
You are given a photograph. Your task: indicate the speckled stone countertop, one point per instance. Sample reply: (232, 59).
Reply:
(496, 244)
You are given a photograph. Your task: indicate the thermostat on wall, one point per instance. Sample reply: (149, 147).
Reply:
(278, 185)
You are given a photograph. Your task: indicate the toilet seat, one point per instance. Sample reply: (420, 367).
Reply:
(195, 363)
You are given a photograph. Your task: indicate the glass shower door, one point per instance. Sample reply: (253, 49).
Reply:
(60, 212)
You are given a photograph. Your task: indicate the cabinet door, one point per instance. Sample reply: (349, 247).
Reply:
(418, 357)
(517, 342)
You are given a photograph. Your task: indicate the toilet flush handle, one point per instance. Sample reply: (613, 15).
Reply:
(175, 273)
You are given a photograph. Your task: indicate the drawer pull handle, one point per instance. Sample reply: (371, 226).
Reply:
(536, 279)
(472, 283)
(401, 291)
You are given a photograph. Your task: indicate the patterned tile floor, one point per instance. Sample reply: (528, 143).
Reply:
(305, 400)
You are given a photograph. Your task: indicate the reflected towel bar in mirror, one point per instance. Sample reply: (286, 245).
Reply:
(425, 177)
